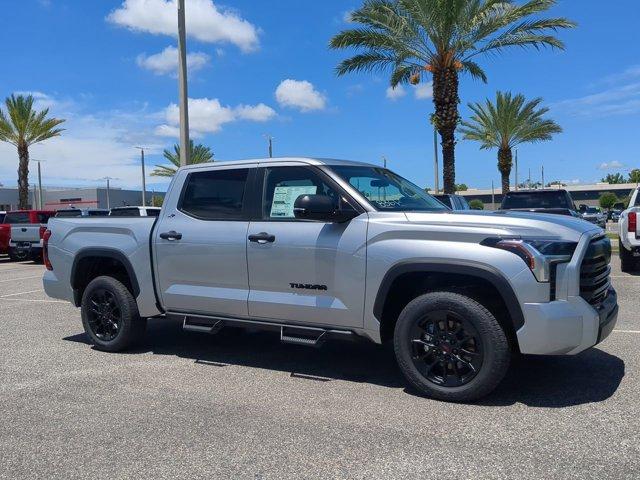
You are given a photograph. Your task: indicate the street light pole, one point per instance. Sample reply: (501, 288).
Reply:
(144, 181)
(39, 198)
(516, 170)
(108, 179)
(182, 86)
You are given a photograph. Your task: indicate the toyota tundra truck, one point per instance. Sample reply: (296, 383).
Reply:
(319, 249)
(629, 235)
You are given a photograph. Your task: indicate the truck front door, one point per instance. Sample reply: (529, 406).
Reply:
(200, 243)
(304, 271)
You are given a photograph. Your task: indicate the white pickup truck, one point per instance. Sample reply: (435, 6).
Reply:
(629, 243)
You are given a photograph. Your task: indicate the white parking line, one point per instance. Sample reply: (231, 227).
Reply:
(20, 278)
(627, 331)
(33, 301)
(21, 293)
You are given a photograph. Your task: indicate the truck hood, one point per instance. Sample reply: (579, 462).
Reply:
(476, 224)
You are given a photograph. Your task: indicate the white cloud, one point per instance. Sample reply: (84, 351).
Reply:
(396, 93)
(620, 97)
(209, 115)
(346, 16)
(166, 62)
(423, 91)
(91, 147)
(301, 95)
(204, 21)
(611, 165)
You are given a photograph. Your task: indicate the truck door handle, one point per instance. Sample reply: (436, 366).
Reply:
(172, 235)
(262, 238)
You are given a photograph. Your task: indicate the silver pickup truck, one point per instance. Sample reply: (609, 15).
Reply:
(320, 249)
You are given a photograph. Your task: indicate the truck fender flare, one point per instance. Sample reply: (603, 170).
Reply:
(105, 253)
(484, 272)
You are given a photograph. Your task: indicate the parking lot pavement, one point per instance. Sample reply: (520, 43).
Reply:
(241, 405)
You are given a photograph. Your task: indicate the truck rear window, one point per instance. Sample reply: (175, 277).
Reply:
(125, 212)
(17, 217)
(535, 200)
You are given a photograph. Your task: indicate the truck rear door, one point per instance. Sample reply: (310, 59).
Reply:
(200, 242)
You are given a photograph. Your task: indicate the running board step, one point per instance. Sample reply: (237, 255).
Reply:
(202, 325)
(310, 337)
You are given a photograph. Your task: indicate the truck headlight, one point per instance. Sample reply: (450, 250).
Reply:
(541, 256)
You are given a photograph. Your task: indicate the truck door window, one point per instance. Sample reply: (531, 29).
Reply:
(215, 194)
(283, 185)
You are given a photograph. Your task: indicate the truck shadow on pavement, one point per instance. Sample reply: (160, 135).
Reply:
(551, 382)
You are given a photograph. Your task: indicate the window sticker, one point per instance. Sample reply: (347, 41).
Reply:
(285, 197)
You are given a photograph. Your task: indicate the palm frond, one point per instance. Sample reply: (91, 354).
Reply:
(197, 154)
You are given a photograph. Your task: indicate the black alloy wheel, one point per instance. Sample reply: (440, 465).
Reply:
(447, 349)
(104, 315)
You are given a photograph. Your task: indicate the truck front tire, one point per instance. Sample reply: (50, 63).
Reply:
(110, 315)
(450, 347)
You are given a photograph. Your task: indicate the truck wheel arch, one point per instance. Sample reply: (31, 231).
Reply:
(86, 258)
(481, 273)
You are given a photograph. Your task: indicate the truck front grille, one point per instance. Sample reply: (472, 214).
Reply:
(595, 271)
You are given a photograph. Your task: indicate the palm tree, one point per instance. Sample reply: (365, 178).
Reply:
(442, 38)
(23, 126)
(198, 154)
(508, 123)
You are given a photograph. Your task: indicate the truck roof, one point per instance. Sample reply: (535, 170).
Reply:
(261, 161)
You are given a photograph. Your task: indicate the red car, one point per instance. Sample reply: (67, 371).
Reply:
(17, 217)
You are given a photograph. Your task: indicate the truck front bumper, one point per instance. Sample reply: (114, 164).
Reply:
(566, 327)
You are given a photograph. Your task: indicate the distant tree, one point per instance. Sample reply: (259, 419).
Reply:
(556, 183)
(156, 201)
(476, 204)
(614, 178)
(608, 200)
(461, 187)
(634, 175)
(509, 121)
(198, 154)
(23, 126)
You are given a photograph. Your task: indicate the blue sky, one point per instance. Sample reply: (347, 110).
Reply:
(264, 68)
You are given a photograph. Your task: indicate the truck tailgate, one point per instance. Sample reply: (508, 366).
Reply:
(25, 233)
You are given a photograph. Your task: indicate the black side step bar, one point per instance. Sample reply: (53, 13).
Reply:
(289, 333)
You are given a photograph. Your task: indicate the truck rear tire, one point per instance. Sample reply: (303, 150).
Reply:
(627, 262)
(450, 347)
(110, 315)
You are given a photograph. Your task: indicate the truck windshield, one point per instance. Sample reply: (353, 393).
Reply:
(387, 191)
(535, 200)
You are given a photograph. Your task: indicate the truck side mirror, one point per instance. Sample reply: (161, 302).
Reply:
(321, 208)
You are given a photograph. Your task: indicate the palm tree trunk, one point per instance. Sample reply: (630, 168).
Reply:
(23, 176)
(505, 161)
(445, 99)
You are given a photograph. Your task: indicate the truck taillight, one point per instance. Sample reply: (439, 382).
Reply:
(632, 224)
(46, 235)
(43, 229)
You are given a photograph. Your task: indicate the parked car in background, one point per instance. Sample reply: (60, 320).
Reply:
(134, 212)
(614, 213)
(629, 235)
(595, 215)
(454, 202)
(556, 201)
(82, 212)
(319, 249)
(24, 230)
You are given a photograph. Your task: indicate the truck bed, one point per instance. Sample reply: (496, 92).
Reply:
(76, 238)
